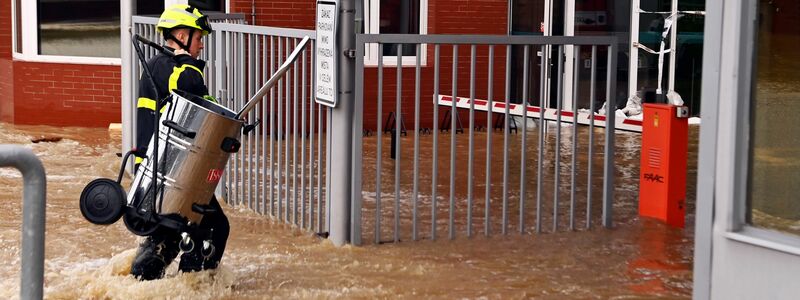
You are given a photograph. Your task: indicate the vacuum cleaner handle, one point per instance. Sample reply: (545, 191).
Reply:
(274, 79)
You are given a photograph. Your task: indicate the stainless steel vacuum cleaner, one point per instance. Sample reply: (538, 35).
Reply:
(185, 161)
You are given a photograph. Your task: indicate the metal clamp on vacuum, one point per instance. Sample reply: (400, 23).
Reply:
(184, 163)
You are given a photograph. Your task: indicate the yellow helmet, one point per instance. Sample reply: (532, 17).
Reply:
(183, 16)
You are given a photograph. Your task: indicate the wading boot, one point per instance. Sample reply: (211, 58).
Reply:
(153, 257)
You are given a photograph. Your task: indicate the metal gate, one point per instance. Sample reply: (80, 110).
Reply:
(279, 169)
(551, 194)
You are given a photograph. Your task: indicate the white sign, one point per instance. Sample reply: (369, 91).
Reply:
(326, 54)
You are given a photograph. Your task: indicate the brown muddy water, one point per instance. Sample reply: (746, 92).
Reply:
(638, 258)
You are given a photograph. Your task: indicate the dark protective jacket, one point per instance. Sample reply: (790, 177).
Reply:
(179, 72)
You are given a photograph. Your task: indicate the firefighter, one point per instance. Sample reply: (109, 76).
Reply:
(183, 28)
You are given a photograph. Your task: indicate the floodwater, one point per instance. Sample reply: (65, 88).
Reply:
(638, 258)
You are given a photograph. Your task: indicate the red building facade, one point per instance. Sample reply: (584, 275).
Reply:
(60, 94)
(71, 94)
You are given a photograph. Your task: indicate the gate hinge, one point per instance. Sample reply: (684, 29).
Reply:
(350, 53)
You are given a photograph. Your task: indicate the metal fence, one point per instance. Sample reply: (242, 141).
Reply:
(545, 176)
(279, 169)
(555, 170)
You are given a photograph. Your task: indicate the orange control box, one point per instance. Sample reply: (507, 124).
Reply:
(662, 181)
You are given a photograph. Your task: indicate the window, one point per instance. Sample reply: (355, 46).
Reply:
(79, 28)
(396, 16)
(82, 31)
(773, 200)
(17, 41)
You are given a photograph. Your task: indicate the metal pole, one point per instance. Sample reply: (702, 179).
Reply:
(673, 40)
(128, 110)
(33, 213)
(608, 161)
(341, 123)
(633, 60)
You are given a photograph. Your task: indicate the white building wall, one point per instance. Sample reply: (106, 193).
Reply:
(732, 259)
(745, 271)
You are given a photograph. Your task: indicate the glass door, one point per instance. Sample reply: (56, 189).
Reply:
(603, 18)
(533, 17)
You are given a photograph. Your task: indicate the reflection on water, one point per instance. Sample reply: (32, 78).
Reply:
(81, 39)
(267, 259)
(775, 154)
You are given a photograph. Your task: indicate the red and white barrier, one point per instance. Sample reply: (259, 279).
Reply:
(536, 112)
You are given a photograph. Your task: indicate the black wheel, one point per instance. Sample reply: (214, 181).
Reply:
(139, 224)
(102, 201)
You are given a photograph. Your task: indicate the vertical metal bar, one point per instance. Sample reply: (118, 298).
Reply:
(489, 130)
(225, 53)
(321, 165)
(250, 139)
(279, 137)
(435, 170)
(258, 113)
(328, 163)
(673, 41)
(417, 88)
(243, 173)
(557, 146)
(358, 147)
(471, 138)
(453, 117)
(575, 77)
(237, 103)
(272, 58)
(321, 162)
(263, 129)
(379, 158)
(311, 161)
(542, 125)
(590, 160)
(303, 137)
(398, 117)
(230, 98)
(506, 133)
(287, 130)
(294, 139)
(608, 168)
(523, 152)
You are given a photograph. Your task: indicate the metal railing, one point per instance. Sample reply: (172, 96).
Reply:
(33, 217)
(409, 195)
(279, 169)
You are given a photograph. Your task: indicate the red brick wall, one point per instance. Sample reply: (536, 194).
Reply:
(5, 29)
(6, 67)
(55, 94)
(278, 13)
(6, 90)
(66, 94)
(444, 17)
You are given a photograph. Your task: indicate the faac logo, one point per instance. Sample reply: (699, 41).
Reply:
(654, 178)
(214, 175)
